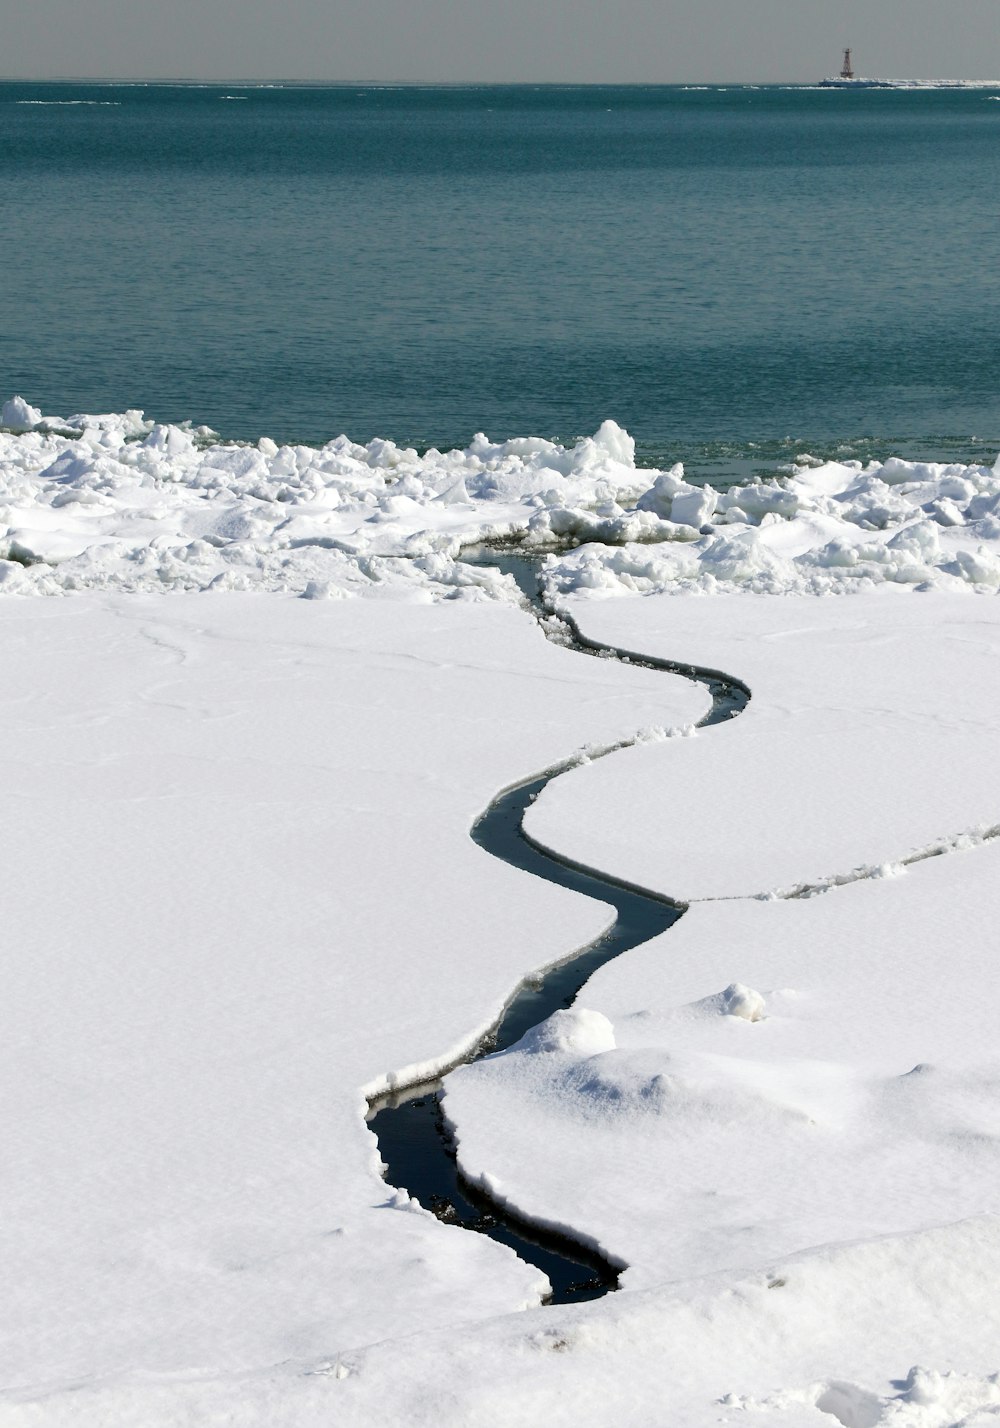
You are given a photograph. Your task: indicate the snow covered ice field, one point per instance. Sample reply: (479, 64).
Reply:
(240, 897)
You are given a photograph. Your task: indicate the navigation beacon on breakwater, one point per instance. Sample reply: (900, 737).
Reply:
(846, 80)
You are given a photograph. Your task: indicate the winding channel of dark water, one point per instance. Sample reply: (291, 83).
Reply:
(413, 1138)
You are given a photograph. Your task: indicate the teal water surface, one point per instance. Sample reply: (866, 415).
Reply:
(732, 274)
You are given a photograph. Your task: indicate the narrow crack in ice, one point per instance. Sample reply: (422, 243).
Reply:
(867, 872)
(415, 1140)
(480, 1206)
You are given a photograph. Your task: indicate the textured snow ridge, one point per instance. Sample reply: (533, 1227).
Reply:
(822, 528)
(117, 502)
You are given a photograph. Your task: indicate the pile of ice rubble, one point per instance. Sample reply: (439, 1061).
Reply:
(116, 502)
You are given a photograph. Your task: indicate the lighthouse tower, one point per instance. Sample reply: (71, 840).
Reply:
(847, 72)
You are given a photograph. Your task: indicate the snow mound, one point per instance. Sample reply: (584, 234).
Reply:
(741, 1001)
(624, 1083)
(574, 1032)
(736, 1000)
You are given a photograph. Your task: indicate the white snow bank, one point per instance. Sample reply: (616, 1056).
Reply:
(870, 735)
(115, 502)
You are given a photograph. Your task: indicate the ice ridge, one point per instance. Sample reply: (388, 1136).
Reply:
(117, 502)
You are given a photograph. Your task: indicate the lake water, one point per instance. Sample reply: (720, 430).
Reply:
(733, 274)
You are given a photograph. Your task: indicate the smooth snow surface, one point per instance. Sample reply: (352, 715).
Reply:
(900, 1328)
(238, 891)
(869, 738)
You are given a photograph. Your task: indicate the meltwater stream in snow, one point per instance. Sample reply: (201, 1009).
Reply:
(413, 1136)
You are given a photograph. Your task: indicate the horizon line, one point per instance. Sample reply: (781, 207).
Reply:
(263, 81)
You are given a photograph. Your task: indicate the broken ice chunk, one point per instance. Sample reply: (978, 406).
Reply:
(738, 1000)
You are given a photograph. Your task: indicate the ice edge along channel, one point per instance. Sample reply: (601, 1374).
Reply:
(414, 1139)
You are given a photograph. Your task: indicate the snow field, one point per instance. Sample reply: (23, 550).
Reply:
(859, 1097)
(869, 738)
(239, 894)
(701, 1353)
(862, 1100)
(238, 890)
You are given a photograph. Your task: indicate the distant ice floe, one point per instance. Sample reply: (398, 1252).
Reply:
(118, 502)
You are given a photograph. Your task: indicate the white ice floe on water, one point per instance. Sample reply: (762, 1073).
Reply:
(116, 502)
(862, 83)
(17, 415)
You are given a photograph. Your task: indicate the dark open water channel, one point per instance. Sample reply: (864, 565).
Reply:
(413, 1140)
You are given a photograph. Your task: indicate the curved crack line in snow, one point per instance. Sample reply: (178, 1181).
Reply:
(403, 1114)
(956, 843)
(868, 872)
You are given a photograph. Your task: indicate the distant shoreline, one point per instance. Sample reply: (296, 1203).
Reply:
(835, 82)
